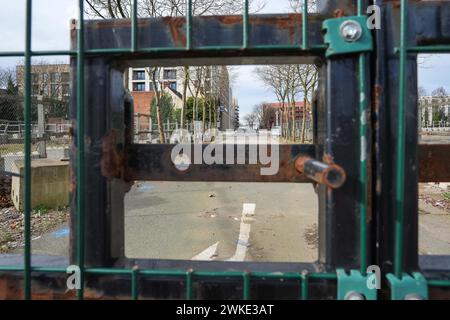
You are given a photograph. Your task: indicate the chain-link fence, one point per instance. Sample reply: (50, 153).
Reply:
(50, 132)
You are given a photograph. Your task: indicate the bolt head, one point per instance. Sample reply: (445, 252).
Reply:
(413, 296)
(354, 295)
(351, 31)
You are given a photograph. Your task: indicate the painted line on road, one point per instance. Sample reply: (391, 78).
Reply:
(248, 211)
(208, 254)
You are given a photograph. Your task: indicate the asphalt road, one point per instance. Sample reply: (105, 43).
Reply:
(205, 221)
(180, 220)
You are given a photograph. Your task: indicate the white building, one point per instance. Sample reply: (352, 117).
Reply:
(430, 106)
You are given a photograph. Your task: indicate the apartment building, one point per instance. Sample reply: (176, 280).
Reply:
(214, 82)
(47, 80)
(432, 108)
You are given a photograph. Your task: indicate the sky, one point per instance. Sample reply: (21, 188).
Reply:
(51, 32)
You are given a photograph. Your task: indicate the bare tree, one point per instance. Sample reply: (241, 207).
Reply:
(273, 77)
(439, 92)
(297, 5)
(251, 119)
(7, 76)
(308, 77)
(264, 113)
(157, 89)
(422, 92)
(185, 86)
(113, 9)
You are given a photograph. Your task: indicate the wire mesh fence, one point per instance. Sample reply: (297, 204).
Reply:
(49, 129)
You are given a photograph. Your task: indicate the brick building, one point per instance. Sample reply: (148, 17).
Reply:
(280, 114)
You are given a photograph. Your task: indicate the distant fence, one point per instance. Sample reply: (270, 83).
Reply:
(438, 126)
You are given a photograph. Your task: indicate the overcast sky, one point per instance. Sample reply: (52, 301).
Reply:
(51, 32)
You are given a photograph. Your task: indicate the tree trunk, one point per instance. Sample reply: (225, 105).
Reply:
(209, 118)
(183, 107)
(293, 118)
(305, 109)
(158, 107)
(203, 115)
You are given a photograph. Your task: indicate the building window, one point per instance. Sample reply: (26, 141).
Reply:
(54, 89)
(44, 77)
(138, 75)
(65, 90)
(34, 78)
(170, 74)
(173, 85)
(65, 77)
(139, 86)
(55, 77)
(35, 89)
(45, 90)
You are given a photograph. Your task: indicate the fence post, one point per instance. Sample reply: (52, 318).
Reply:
(42, 147)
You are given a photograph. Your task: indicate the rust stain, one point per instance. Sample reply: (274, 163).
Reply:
(328, 158)
(175, 25)
(339, 13)
(112, 162)
(434, 163)
(378, 91)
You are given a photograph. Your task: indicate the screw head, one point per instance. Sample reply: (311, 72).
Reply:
(350, 31)
(354, 295)
(413, 296)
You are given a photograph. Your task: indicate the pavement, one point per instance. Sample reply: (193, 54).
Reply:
(205, 221)
(179, 220)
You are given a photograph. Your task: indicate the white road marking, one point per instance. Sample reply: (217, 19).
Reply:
(248, 211)
(208, 254)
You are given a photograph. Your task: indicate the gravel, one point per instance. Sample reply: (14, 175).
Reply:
(11, 225)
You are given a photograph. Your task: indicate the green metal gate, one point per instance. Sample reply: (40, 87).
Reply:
(380, 227)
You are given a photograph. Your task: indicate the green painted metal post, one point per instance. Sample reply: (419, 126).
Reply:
(246, 286)
(304, 286)
(363, 117)
(135, 283)
(400, 147)
(134, 27)
(80, 149)
(245, 25)
(305, 25)
(189, 290)
(27, 166)
(189, 25)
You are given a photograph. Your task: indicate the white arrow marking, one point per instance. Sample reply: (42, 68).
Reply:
(208, 254)
(248, 210)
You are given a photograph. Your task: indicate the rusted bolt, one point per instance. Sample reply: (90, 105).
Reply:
(330, 175)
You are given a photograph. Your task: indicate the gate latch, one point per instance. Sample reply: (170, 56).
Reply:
(353, 286)
(409, 287)
(347, 35)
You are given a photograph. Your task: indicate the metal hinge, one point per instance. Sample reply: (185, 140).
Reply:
(347, 35)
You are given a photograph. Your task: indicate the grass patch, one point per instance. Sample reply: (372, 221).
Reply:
(446, 196)
(41, 209)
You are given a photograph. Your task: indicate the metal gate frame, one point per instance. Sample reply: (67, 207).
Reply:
(365, 222)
